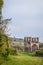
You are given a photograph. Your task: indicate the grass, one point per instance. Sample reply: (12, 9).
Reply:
(24, 60)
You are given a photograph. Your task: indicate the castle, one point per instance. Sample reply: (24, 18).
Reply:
(28, 44)
(31, 43)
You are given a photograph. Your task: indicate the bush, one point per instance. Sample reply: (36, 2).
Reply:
(5, 52)
(4, 46)
(39, 53)
(14, 52)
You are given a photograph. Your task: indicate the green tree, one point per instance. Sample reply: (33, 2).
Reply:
(4, 45)
(1, 3)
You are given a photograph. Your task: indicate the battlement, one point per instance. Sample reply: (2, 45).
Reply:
(31, 39)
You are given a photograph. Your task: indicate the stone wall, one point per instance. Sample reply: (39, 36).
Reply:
(31, 43)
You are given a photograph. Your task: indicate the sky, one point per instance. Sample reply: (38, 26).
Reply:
(27, 18)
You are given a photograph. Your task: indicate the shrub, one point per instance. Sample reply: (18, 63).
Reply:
(4, 45)
(14, 52)
(39, 53)
(5, 52)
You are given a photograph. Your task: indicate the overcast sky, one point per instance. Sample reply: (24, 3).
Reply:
(27, 17)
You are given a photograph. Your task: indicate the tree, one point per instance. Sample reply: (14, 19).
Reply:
(1, 3)
(3, 23)
(4, 46)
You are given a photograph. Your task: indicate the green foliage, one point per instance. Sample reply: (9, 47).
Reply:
(1, 3)
(14, 52)
(28, 53)
(5, 53)
(39, 52)
(1, 44)
(1, 60)
(4, 46)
